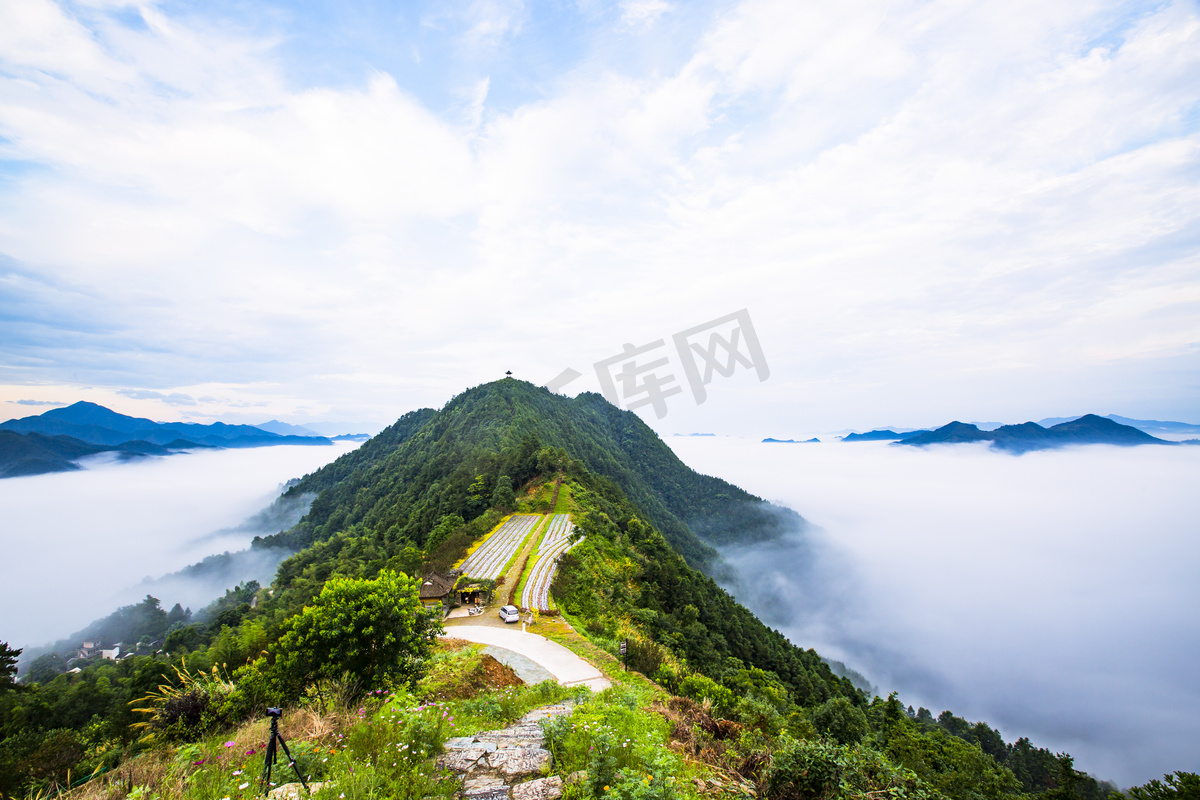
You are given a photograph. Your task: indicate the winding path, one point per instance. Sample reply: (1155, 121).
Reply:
(566, 667)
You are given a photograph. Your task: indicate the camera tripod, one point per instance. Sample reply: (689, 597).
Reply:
(269, 755)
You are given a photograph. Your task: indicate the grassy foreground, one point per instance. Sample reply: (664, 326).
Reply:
(386, 745)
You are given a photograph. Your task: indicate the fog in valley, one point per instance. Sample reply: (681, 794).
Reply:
(80, 544)
(1051, 594)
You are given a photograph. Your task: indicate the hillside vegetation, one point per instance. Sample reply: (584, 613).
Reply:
(713, 700)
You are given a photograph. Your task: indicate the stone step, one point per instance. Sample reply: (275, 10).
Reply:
(498, 765)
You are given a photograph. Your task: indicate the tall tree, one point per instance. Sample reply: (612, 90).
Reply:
(8, 666)
(368, 629)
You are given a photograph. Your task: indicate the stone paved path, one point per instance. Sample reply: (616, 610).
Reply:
(502, 764)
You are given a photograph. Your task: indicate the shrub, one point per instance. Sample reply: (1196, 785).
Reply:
(701, 688)
(620, 745)
(375, 630)
(644, 656)
(819, 770)
(184, 708)
(840, 720)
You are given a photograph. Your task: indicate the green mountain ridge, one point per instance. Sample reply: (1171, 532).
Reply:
(405, 478)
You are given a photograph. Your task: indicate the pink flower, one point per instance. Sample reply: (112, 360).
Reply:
(229, 744)
(250, 752)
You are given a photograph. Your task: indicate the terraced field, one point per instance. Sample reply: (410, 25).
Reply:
(555, 542)
(492, 555)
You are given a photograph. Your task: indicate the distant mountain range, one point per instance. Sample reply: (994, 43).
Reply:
(285, 429)
(769, 440)
(880, 436)
(55, 440)
(1147, 425)
(1088, 429)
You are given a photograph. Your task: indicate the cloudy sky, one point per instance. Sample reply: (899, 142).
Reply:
(318, 211)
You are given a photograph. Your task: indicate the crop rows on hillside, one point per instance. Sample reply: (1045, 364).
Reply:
(555, 542)
(493, 554)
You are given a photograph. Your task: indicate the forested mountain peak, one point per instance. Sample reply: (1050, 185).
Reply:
(430, 462)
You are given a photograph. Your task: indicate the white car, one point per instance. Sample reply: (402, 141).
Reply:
(510, 614)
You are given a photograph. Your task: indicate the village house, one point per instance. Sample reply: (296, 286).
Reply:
(436, 587)
(92, 647)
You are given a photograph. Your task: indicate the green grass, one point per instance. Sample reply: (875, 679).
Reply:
(544, 525)
(566, 501)
(503, 708)
(623, 748)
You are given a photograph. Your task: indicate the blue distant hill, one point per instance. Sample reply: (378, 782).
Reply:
(55, 440)
(880, 436)
(1150, 426)
(284, 429)
(1088, 429)
(769, 440)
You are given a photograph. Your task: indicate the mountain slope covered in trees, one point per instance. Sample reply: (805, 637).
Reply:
(429, 464)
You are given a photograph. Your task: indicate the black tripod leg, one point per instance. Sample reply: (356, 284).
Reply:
(292, 761)
(268, 760)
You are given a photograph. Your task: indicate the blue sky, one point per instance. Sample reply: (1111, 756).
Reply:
(343, 211)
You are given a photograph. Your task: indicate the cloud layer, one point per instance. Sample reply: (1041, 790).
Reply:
(945, 204)
(1050, 594)
(95, 534)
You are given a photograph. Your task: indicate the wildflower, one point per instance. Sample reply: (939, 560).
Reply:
(251, 751)
(229, 744)
(198, 763)
(237, 772)
(244, 785)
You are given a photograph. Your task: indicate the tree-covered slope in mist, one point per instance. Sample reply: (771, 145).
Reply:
(429, 463)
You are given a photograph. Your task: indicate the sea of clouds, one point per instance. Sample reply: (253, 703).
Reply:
(80, 544)
(1052, 594)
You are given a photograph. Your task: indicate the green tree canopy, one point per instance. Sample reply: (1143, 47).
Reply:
(1178, 786)
(46, 668)
(8, 666)
(840, 720)
(373, 630)
(504, 496)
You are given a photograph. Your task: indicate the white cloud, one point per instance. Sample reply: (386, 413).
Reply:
(1048, 594)
(643, 13)
(939, 187)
